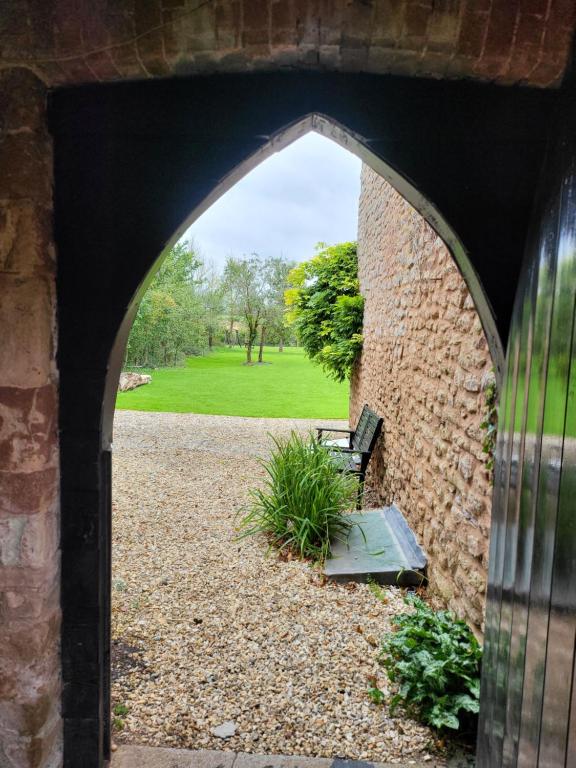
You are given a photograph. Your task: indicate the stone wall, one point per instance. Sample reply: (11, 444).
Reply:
(29, 571)
(503, 41)
(424, 367)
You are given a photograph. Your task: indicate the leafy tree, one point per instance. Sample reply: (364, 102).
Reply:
(231, 314)
(245, 281)
(255, 291)
(278, 280)
(179, 266)
(169, 324)
(211, 293)
(327, 309)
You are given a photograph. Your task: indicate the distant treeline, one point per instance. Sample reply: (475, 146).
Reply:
(189, 308)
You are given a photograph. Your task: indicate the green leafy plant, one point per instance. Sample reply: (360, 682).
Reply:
(326, 308)
(170, 322)
(121, 710)
(376, 590)
(302, 505)
(434, 660)
(490, 423)
(376, 695)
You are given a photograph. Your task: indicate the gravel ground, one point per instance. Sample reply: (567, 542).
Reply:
(207, 629)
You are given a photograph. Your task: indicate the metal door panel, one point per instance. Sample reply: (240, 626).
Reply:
(560, 530)
(497, 540)
(517, 427)
(544, 527)
(528, 706)
(523, 521)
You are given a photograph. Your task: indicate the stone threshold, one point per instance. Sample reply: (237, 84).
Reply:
(158, 757)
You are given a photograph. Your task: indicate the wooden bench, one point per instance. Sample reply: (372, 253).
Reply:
(352, 454)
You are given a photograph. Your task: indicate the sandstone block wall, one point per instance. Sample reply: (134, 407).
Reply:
(503, 41)
(29, 571)
(424, 367)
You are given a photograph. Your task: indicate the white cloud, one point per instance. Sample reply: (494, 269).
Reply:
(305, 194)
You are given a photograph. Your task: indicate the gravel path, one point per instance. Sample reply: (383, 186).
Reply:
(207, 629)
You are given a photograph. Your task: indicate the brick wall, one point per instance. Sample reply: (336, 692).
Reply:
(506, 41)
(424, 366)
(29, 592)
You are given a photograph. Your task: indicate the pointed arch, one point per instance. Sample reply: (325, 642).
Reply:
(348, 140)
(136, 162)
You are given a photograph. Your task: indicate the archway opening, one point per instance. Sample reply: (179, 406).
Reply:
(314, 123)
(331, 129)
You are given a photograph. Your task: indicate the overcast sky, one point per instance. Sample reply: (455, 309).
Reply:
(300, 196)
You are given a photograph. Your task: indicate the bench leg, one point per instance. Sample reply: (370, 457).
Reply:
(360, 494)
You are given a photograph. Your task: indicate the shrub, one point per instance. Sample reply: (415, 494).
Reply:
(326, 308)
(435, 661)
(303, 502)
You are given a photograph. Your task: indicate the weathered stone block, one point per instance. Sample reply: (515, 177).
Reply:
(26, 168)
(28, 424)
(39, 542)
(26, 603)
(27, 351)
(471, 384)
(22, 101)
(466, 466)
(25, 239)
(28, 493)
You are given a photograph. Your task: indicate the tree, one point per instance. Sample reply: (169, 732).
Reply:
(168, 324)
(211, 294)
(327, 309)
(278, 271)
(245, 281)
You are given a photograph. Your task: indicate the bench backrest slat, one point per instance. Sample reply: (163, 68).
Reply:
(367, 430)
(361, 426)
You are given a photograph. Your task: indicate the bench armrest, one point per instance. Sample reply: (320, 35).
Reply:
(348, 432)
(321, 430)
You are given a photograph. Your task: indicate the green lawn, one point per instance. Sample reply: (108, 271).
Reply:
(288, 386)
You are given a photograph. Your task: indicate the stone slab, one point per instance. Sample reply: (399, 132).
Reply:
(244, 760)
(158, 757)
(381, 547)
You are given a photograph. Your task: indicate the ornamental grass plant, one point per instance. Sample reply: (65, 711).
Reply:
(303, 503)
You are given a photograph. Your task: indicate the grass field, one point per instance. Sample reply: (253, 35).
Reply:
(288, 385)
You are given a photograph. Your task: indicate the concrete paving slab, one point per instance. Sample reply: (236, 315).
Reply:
(294, 761)
(157, 757)
(382, 547)
(244, 760)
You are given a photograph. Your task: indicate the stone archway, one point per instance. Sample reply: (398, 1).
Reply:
(156, 150)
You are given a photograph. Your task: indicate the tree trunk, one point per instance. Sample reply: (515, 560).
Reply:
(229, 332)
(238, 339)
(210, 340)
(252, 333)
(261, 350)
(281, 344)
